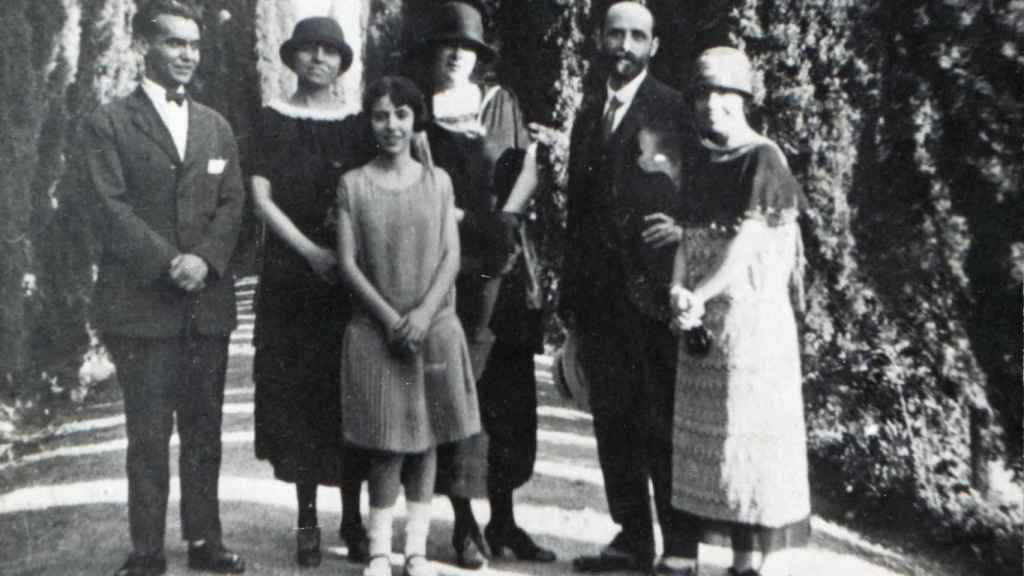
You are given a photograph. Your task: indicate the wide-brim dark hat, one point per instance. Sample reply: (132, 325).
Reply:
(318, 29)
(459, 23)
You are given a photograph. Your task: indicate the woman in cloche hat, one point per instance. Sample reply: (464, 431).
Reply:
(300, 148)
(739, 465)
(480, 137)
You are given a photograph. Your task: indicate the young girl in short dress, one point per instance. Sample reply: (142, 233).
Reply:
(406, 379)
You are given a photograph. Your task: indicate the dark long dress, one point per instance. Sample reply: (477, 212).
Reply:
(300, 319)
(482, 170)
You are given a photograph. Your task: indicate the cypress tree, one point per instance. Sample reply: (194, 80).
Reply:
(34, 72)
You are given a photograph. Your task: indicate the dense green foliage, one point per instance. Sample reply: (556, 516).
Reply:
(60, 60)
(903, 122)
(902, 119)
(36, 67)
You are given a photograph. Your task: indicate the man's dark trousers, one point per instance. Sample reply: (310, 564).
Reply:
(630, 361)
(162, 378)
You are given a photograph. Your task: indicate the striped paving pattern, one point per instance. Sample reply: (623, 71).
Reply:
(77, 478)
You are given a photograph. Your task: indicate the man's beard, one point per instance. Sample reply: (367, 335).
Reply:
(626, 66)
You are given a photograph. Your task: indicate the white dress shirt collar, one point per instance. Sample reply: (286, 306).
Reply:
(627, 92)
(624, 95)
(174, 116)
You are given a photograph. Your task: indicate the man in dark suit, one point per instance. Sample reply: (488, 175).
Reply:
(626, 350)
(162, 176)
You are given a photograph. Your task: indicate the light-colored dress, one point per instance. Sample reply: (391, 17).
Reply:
(404, 403)
(739, 442)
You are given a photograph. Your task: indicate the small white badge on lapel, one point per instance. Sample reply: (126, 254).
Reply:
(216, 165)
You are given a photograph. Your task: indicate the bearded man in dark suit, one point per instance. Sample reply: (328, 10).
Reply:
(626, 348)
(162, 177)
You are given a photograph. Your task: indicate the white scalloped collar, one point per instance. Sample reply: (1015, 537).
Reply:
(304, 113)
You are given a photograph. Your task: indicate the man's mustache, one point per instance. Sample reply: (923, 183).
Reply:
(623, 56)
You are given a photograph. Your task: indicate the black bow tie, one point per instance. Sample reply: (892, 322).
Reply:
(176, 97)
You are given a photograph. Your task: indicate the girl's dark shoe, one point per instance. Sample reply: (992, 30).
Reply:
(518, 542)
(358, 544)
(307, 546)
(470, 550)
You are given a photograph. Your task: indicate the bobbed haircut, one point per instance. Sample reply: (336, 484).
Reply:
(144, 22)
(402, 92)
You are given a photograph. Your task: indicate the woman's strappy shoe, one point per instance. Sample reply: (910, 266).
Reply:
(307, 546)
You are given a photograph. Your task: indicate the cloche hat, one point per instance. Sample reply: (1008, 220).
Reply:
(320, 29)
(459, 23)
(726, 68)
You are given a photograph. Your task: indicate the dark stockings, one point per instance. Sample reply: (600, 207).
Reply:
(350, 489)
(502, 513)
(306, 493)
(465, 522)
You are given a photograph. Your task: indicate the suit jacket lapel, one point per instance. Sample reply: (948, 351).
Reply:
(634, 116)
(148, 121)
(624, 135)
(199, 134)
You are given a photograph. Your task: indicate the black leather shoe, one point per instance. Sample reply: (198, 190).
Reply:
(215, 558)
(143, 565)
(617, 555)
(518, 542)
(358, 543)
(471, 552)
(307, 546)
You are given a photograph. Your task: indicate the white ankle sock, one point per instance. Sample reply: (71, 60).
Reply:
(417, 527)
(379, 530)
(678, 562)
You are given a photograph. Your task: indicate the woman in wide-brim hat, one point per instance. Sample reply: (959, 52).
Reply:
(739, 464)
(300, 148)
(479, 135)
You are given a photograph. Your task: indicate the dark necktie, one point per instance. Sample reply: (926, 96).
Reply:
(176, 97)
(608, 122)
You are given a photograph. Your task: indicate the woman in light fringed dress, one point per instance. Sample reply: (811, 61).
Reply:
(740, 455)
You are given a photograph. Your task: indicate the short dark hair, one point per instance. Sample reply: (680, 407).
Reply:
(402, 92)
(144, 21)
